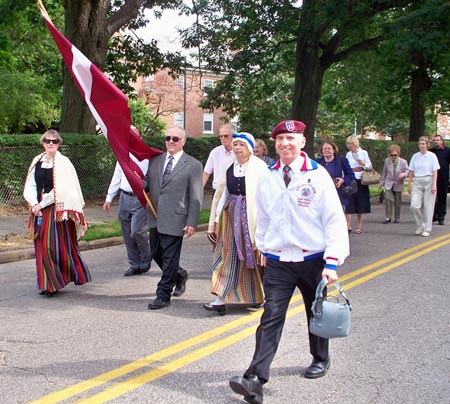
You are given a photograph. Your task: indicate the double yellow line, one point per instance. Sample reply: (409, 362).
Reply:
(362, 275)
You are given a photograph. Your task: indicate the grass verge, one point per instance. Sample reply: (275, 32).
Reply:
(112, 229)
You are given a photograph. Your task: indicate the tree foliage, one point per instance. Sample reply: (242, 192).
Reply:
(245, 36)
(30, 79)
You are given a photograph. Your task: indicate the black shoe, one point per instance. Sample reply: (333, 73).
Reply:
(396, 221)
(158, 304)
(133, 271)
(47, 293)
(250, 387)
(387, 221)
(441, 222)
(180, 287)
(147, 267)
(317, 369)
(220, 308)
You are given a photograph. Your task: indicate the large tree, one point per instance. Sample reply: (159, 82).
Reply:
(29, 80)
(93, 26)
(318, 35)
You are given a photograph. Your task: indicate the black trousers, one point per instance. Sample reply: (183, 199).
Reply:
(280, 281)
(440, 207)
(166, 251)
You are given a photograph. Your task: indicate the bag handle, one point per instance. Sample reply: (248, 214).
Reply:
(320, 298)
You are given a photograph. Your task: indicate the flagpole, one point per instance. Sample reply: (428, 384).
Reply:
(43, 10)
(150, 205)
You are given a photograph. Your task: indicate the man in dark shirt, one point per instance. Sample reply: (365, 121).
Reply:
(443, 154)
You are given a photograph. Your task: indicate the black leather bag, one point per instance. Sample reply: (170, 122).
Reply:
(349, 189)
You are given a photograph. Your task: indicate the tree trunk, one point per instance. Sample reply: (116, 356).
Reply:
(89, 27)
(420, 83)
(309, 74)
(86, 28)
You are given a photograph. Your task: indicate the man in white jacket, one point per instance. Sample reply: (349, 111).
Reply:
(302, 234)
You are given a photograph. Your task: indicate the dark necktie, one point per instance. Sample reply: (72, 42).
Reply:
(168, 170)
(286, 175)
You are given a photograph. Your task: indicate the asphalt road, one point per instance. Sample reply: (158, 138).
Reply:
(98, 342)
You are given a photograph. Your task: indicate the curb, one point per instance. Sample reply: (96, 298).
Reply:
(28, 253)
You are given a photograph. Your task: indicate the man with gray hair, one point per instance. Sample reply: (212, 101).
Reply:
(220, 157)
(174, 185)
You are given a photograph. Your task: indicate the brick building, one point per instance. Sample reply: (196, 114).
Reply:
(176, 101)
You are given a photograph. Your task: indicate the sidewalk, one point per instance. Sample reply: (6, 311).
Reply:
(94, 213)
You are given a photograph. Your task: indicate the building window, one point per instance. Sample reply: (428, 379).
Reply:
(207, 122)
(178, 119)
(180, 81)
(207, 83)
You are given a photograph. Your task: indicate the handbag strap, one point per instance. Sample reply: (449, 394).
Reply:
(340, 165)
(341, 291)
(321, 287)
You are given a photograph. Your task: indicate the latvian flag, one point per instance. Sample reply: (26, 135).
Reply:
(109, 107)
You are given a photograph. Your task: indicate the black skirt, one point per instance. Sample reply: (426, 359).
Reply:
(360, 201)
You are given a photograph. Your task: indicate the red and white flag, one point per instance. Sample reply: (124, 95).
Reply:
(109, 106)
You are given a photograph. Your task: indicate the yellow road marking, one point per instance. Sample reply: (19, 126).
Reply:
(137, 381)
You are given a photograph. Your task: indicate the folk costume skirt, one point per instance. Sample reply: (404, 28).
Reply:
(58, 258)
(235, 276)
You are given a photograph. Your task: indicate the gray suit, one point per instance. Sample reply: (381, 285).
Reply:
(177, 204)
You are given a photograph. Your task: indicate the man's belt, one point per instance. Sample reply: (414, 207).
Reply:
(127, 193)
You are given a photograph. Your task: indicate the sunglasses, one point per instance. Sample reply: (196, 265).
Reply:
(173, 138)
(394, 155)
(225, 136)
(48, 141)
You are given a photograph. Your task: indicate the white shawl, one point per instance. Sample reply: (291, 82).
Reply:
(66, 193)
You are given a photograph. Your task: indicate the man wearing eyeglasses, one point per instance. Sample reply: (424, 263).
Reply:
(220, 157)
(174, 184)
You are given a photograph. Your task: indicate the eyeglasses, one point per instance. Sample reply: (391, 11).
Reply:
(394, 155)
(48, 141)
(173, 138)
(224, 136)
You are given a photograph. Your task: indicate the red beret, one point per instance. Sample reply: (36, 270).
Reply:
(288, 127)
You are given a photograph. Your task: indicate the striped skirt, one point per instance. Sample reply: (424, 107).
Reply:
(58, 258)
(235, 276)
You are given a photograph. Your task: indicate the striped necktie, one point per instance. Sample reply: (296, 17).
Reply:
(168, 170)
(286, 175)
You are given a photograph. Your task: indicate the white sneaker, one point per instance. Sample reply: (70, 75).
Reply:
(420, 229)
(425, 234)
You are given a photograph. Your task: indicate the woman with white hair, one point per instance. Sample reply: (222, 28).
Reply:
(236, 275)
(56, 221)
(359, 202)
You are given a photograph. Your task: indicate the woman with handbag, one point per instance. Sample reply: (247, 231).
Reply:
(359, 202)
(395, 171)
(56, 221)
(339, 169)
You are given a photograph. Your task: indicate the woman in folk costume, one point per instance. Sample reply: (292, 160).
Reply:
(56, 220)
(236, 277)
